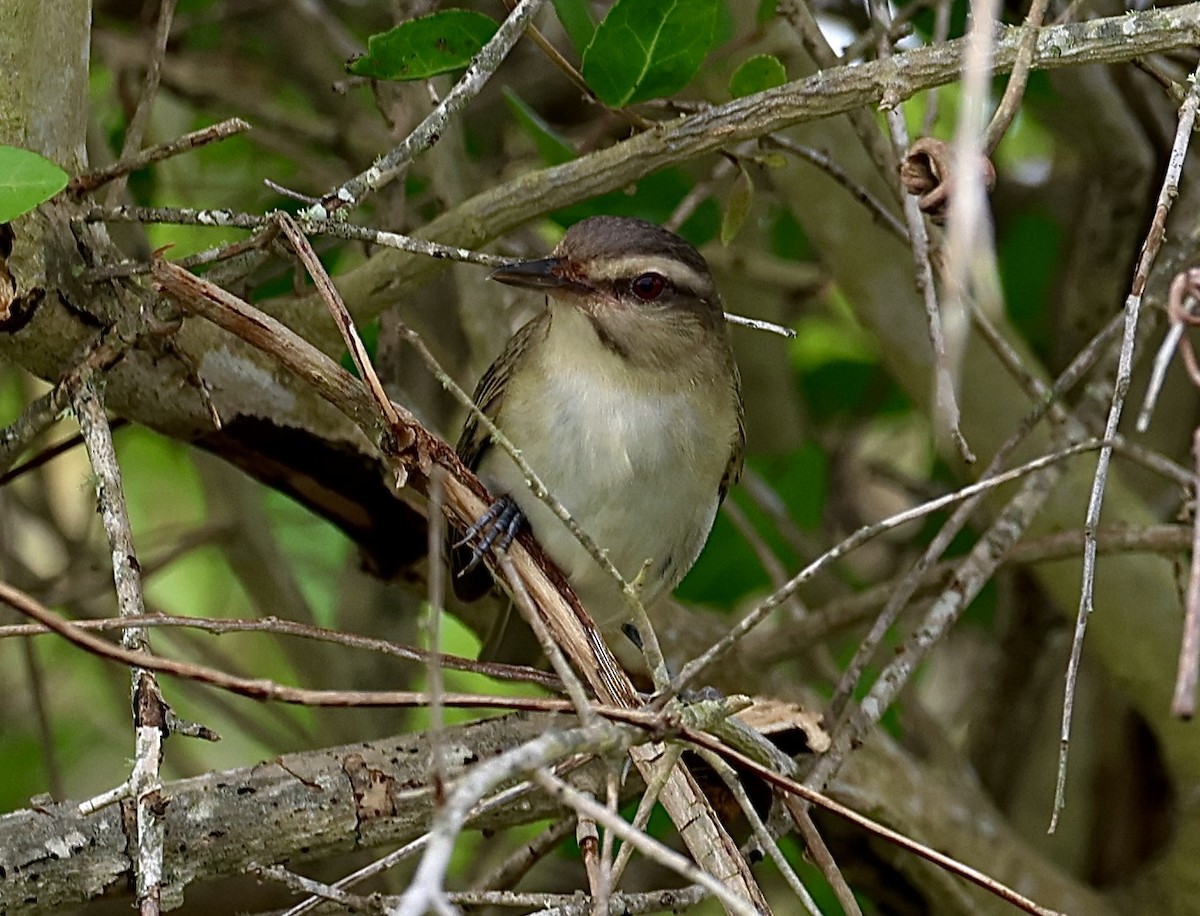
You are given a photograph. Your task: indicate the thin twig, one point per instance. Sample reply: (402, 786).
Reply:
(650, 848)
(1010, 102)
(827, 164)
(436, 536)
(747, 764)
(1183, 704)
(90, 181)
(1184, 299)
(141, 115)
(714, 653)
(424, 135)
(554, 653)
(281, 627)
(426, 887)
(258, 688)
(518, 863)
(1133, 305)
(341, 316)
(822, 857)
(149, 710)
(765, 841)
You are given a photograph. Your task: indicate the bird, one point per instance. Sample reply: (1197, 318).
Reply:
(623, 396)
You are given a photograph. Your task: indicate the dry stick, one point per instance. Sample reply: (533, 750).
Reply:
(821, 856)
(554, 653)
(1133, 305)
(970, 273)
(1187, 282)
(341, 317)
(279, 627)
(230, 219)
(259, 688)
(763, 837)
(587, 840)
(425, 134)
(233, 220)
(90, 181)
(149, 710)
(493, 803)
(790, 786)
(1183, 704)
(702, 833)
(767, 649)
(946, 410)
(696, 666)
(392, 859)
(141, 115)
(645, 808)
(42, 413)
(674, 900)
(317, 890)
(436, 524)
(426, 889)
(1010, 102)
(648, 847)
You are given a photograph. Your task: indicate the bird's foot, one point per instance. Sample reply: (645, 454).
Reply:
(494, 530)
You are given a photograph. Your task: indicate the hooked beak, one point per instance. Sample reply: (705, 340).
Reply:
(542, 274)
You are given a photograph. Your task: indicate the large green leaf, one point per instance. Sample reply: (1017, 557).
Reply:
(26, 180)
(646, 49)
(424, 47)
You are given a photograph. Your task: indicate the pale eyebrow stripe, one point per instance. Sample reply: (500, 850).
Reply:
(677, 272)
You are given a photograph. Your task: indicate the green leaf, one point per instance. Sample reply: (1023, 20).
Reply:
(763, 71)
(552, 148)
(646, 50)
(26, 180)
(577, 21)
(424, 47)
(738, 207)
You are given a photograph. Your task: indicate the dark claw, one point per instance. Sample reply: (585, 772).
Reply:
(495, 529)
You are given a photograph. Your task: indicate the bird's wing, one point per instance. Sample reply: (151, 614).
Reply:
(737, 451)
(476, 440)
(489, 393)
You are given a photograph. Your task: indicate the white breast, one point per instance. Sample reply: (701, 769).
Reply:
(637, 460)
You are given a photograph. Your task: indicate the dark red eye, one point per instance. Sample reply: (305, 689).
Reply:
(649, 286)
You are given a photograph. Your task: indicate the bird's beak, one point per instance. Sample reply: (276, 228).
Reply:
(546, 274)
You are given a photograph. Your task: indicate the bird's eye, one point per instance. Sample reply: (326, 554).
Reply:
(649, 287)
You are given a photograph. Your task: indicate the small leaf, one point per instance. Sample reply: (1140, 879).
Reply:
(577, 21)
(645, 50)
(552, 148)
(738, 207)
(763, 71)
(424, 47)
(26, 180)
